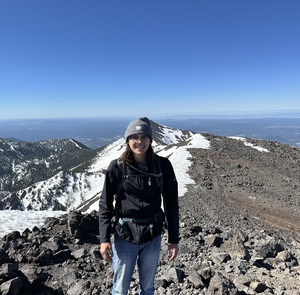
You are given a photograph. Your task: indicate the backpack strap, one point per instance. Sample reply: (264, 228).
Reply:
(158, 174)
(160, 182)
(123, 172)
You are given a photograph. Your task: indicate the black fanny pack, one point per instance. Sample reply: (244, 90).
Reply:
(138, 231)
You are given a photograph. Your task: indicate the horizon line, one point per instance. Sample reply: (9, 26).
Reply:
(207, 114)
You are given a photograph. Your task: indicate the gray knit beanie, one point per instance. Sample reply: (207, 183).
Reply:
(139, 126)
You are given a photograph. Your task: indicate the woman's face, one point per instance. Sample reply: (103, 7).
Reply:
(139, 144)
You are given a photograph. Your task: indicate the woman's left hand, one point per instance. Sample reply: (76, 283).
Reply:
(173, 250)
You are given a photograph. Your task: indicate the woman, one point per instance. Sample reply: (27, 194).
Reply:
(136, 183)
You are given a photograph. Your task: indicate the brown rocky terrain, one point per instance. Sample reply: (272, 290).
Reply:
(241, 186)
(253, 195)
(240, 233)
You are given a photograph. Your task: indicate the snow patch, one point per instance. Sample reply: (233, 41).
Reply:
(259, 148)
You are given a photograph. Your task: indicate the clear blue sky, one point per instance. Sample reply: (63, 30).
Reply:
(71, 58)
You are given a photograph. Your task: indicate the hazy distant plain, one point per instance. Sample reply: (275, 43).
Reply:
(97, 132)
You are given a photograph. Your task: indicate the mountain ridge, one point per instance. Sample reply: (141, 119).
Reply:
(69, 185)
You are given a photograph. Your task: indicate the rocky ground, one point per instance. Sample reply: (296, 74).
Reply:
(253, 199)
(240, 233)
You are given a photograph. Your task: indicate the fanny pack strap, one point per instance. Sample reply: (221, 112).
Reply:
(138, 221)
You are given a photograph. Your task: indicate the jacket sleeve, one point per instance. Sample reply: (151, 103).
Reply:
(106, 206)
(170, 186)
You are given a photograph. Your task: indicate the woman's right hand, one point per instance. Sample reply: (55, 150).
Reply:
(106, 251)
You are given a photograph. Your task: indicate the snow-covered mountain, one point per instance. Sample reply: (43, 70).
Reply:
(79, 187)
(24, 163)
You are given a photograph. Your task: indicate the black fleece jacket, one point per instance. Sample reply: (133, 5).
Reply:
(139, 197)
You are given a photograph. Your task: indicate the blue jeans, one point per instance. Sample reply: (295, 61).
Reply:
(126, 255)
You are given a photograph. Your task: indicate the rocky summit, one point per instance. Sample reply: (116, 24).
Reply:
(239, 228)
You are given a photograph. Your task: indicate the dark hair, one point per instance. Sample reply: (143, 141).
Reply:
(128, 158)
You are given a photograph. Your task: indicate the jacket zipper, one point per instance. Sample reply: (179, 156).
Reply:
(149, 185)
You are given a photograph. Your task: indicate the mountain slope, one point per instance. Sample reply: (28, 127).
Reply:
(80, 186)
(25, 163)
(247, 182)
